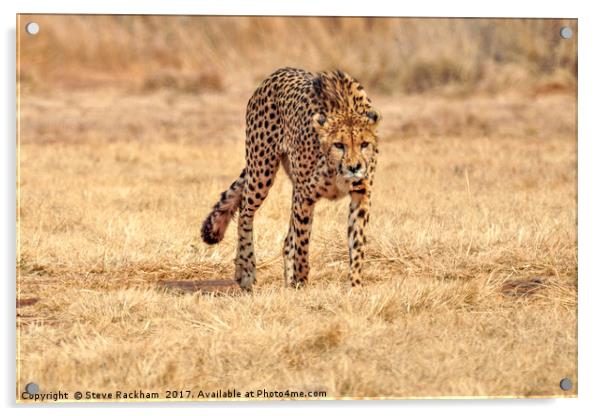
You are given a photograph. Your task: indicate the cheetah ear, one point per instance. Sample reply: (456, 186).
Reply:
(320, 122)
(373, 116)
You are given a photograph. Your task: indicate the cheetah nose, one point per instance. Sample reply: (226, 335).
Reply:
(356, 168)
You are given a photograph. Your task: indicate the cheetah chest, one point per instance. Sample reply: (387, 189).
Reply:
(335, 188)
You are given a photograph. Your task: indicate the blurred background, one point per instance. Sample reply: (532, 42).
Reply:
(389, 55)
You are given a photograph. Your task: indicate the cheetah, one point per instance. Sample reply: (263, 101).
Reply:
(322, 129)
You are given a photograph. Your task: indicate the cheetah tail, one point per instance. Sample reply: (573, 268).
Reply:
(214, 226)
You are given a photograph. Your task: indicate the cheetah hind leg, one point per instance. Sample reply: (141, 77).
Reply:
(254, 193)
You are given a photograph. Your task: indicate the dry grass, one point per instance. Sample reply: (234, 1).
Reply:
(111, 204)
(471, 275)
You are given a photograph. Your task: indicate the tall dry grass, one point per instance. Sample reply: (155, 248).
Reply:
(390, 55)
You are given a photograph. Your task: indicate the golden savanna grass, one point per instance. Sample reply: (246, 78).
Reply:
(471, 274)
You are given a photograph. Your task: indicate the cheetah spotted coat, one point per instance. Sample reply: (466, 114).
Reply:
(322, 129)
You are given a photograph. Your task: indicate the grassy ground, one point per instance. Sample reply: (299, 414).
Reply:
(471, 277)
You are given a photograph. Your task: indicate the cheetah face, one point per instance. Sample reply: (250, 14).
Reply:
(349, 143)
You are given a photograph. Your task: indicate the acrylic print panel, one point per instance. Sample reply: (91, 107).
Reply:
(433, 163)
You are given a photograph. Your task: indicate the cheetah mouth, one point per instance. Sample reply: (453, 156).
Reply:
(353, 176)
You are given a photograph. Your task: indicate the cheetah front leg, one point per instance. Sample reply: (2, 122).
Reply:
(288, 253)
(296, 246)
(356, 232)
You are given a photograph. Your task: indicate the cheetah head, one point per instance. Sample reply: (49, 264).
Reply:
(349, 141)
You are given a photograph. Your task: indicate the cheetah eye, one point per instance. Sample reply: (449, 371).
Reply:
(364, 145)
(339, 146)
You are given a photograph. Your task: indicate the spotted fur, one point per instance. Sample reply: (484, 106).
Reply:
(322, 129)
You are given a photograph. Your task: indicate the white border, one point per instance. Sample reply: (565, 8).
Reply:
(590, 161)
